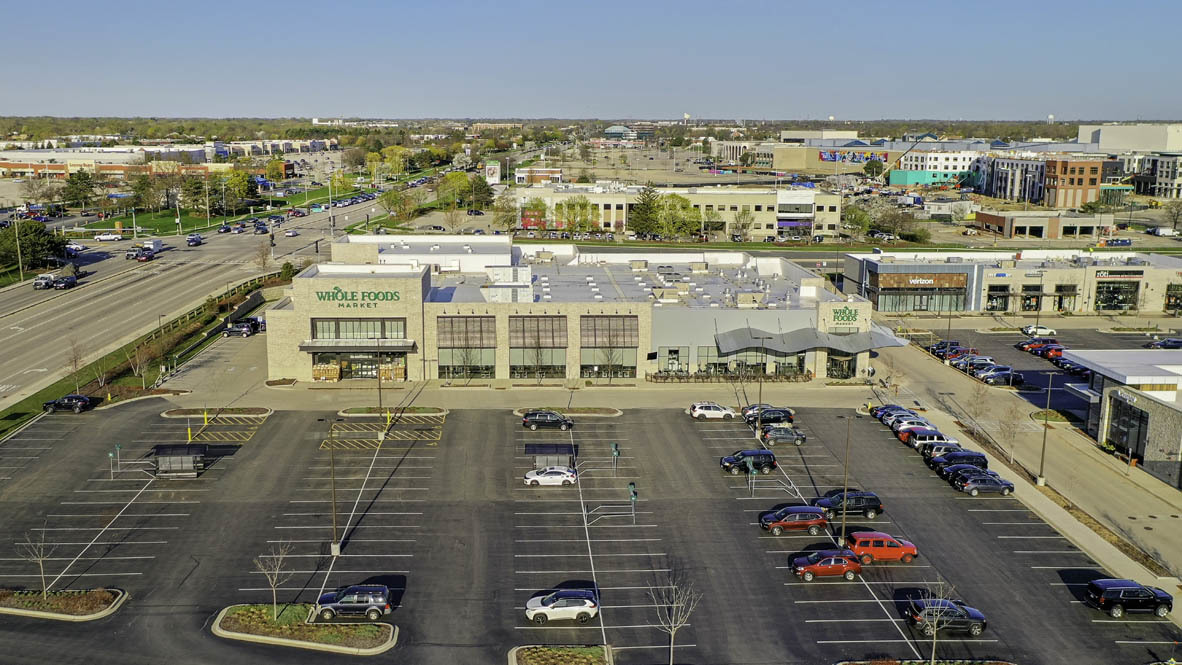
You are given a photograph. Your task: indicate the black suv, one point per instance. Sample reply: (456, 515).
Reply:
(243, 328)
(536, 419)
(75, 403)
(65, 282)
(1119, 596)
(941, 463)
(368, 600)
(762, 461)
(865, 503)
(769, 417)
(934, 614)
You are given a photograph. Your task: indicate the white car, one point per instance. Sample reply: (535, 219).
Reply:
(291, 233)
(108, 236)
(75, 247)
(1038, 331)
(552, 475)
(581, 605)
(704, 410)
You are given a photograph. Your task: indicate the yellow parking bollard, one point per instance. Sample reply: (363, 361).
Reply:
(387, 417)
(190, 428)
(205, 416)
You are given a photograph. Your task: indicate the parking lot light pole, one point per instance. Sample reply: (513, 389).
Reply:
(845, 479)
(1041, 480)
(335, 545)
(763, 358)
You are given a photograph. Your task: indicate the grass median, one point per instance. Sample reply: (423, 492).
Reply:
(72, 603)
(291, 625)
(544, 655)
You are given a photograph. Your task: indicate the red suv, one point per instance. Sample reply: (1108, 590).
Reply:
(827, 563)
(794, 518)
(873, 546)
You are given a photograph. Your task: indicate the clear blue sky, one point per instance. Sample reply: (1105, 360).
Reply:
(777, 60)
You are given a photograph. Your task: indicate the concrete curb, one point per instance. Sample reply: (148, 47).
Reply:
(135, 399)
(342, 414)
(166, 414)
(75, 618)
(217, 629)
(607, 651)
(617, 414)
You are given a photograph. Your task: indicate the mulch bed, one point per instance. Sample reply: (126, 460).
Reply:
(256, 620)
(74, 603)
(576, 410)
(561, 656)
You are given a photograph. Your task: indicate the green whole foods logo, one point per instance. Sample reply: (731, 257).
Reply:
(845, 315)
(357, 299)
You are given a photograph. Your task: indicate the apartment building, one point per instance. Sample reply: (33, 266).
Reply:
(1160, 175)
(1072, 182)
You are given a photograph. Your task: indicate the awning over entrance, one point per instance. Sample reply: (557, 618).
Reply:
(374, 345)
(803, 339)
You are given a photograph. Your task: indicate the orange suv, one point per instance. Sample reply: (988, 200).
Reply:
(873, 546)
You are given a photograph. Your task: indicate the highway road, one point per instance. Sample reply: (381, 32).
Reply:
(118, 298)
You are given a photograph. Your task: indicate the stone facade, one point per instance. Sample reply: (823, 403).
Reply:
(1162, 455)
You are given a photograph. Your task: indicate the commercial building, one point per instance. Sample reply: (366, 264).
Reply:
(1160, 175)
(1014, 177)
(553, 312)
(922, 167)
(105, 171)
(1138, 137)
(804, 135)
(619, 132)
(1029, 281)
(1044, 224)
(1132, 405)
(1073, 181)
(534, 175)
(788, 211)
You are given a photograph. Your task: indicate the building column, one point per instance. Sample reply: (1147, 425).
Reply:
(501, 370)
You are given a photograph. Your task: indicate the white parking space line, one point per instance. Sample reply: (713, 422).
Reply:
(1048, 552)
(107, 528)
(543, 556)
(75, 575)
(114, 542)
(1030, 537)
(897, 641)
(642, 625)
(336, 572)
(340, 478)
(854, 600)
(653, 646)
(352, 540)
(357, 526)
(1131, 621)
(318, 513)
(129, 516)
(347, 501)
(87, 558)
(852, 620)
(1016, 524)
(594, 540)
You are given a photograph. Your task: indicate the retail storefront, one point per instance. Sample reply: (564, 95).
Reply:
(918, 292)
(1118, 290)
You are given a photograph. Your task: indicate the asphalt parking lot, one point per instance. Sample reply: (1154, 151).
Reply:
(438, 512)
(1038, 371)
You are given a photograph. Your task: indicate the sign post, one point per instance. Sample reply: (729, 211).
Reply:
(634, 496)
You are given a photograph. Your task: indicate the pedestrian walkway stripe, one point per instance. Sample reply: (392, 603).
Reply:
(224, 436)
(237, 420)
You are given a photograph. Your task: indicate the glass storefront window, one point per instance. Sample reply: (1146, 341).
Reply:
(604, 362)
(358, 328)
(537, 362)
(1116, 296)
(840, 365)
(364, 365)
(927, 300)
(998, 298)
(1174, 296)
(1128, 427)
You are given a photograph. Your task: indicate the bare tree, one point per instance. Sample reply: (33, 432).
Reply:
(979, 400)
(100, 374)
(452, 218)
(36, 550)
(262, 255)
(135, 362)
(74, 361)
(675, 600)
(1172, 212)
(940, 609)
(537, 354)
(35, 190)
(274, 569)
(1007, 426)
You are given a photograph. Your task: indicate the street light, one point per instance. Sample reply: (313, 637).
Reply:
(1042, 458)
(335, 545)
(845, 479)
(1038, 309)
(763, 358)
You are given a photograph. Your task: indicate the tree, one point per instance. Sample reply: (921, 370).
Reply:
(275, 170)
(505, 211)
(79, 189)
(391, 200)
(677, 217)
(37, 244)
(37, 550)
(452, 187)
(35, 190)
(353, 157)
(136, 361)
(287, 271)
(578, 214)
(585, 153)
(746, 159)
(396, 158)
(262, 254)
(341, 183)
(940, 599)
(409, 207)
(373, 164)
(273, 567)
(744, 219)
(240, 185)
(643, 217)
(145, 193)
(194, 191)
(857, 218)
(1008, 425)
(74, 361)
(674, 600)
(452, 217)
(712, 221)
(873, 168)
(1172, 212)
(481, 192)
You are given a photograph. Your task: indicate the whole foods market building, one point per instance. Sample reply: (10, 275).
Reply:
(590, 318)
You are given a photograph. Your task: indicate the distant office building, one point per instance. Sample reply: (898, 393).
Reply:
(803, 135)
(935, 168)
(619, 132)
(645, 131)
(478, 127)
(1160, 175)
(534, 175)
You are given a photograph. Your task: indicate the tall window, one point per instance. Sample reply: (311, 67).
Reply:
(608, 346)
(537, 347)
(467, 346)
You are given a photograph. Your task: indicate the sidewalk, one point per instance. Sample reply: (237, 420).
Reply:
(987, 320)
(1131, 503)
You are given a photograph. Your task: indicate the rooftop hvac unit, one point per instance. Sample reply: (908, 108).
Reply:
(598, 296)
(954, 259)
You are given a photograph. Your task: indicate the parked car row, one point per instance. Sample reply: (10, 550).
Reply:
(973, 363)
(353, 200)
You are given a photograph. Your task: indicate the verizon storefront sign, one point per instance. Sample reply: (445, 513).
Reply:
(922, 280)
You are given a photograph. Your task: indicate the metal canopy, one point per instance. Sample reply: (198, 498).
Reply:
(803, 339)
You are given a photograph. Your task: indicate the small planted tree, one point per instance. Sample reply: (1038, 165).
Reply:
(273, 567)
(136, 359)
(74, 361)
(36, 550)
(674, 599)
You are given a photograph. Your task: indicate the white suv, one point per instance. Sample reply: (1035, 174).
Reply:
(582, 605)
(1038, 331)
(704, 410)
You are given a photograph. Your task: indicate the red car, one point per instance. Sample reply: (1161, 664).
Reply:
(1035, 343)
(872, 546)
(794, 518)
(827, 563)
(1054, 353)
(956, 353)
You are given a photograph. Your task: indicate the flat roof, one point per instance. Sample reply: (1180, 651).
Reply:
(1132, 366)
(676, 283)
(1026, 259)
(337, 270)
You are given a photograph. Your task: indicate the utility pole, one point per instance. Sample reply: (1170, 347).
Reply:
(1041, 480)
(845, 480)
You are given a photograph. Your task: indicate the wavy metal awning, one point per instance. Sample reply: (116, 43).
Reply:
(796, 341)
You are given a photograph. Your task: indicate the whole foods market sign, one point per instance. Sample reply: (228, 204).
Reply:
(845, 315)
(356, 299)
